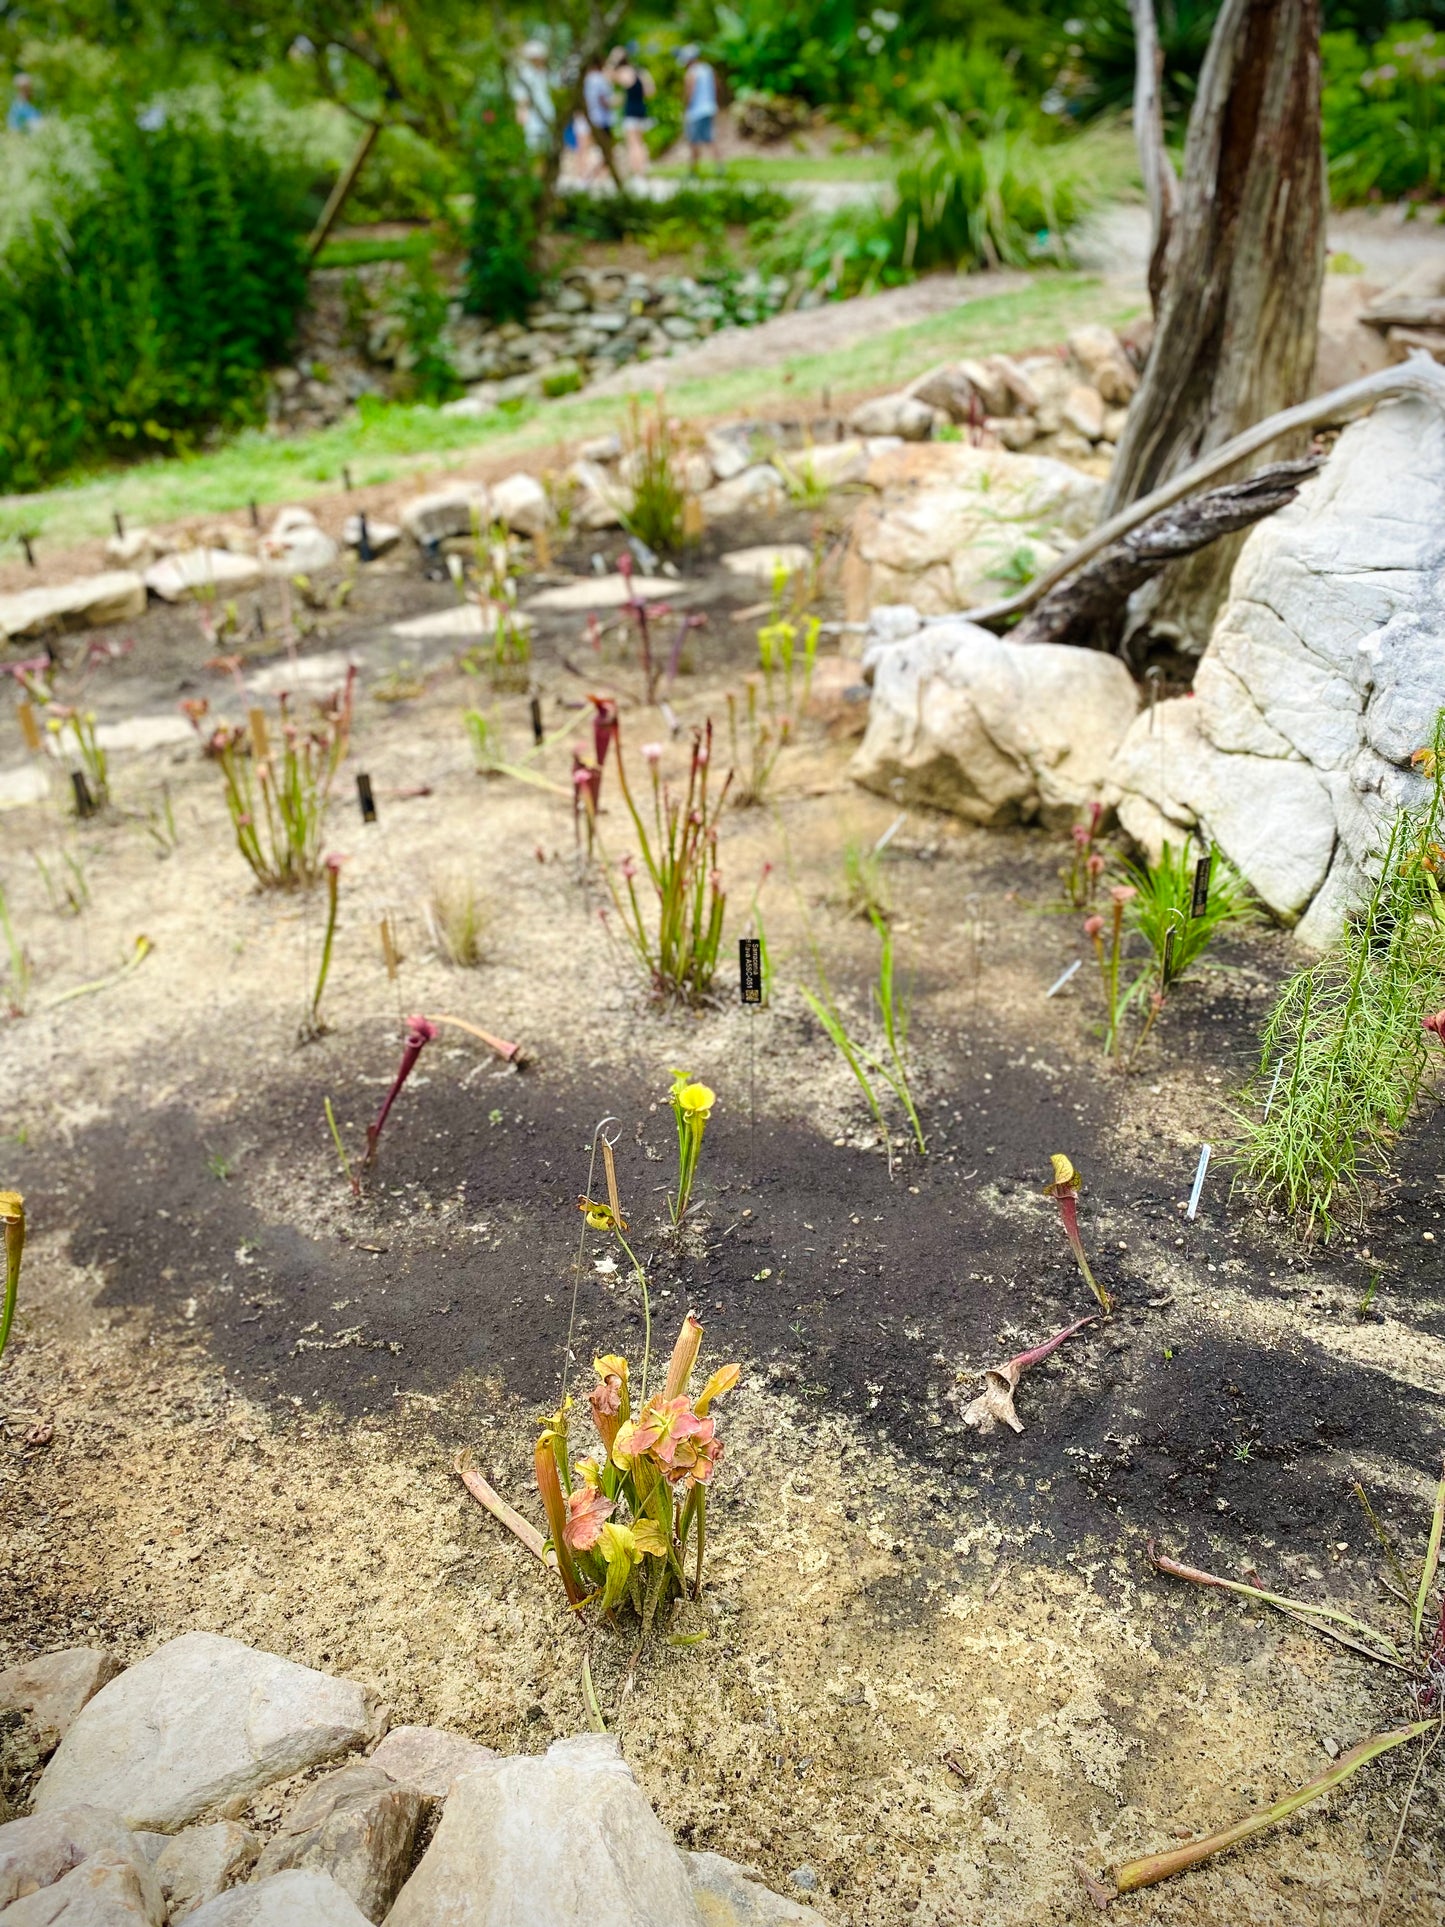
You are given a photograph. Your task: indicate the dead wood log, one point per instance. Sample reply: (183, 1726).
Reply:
(1161, 183)
(1087, 611)
(1405, 311)
(1236, 312)
(1417, 376)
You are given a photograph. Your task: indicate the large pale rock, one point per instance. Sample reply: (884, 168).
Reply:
(726, 1896)
(904, 415)
(380, 536)
(759, 489)
(429, 1758)
(1346, 346)
(828, 464)
(203, 572)
(950, 391)
(116, 595)
(202, 1722)
(195, 1866)
(301, 1898)
(108, 1890)
(446, 511)
(951, 520)
(567, 1839)
(764, 563)
(359, 1826)
(296, 544)
(996, 731)
(520, 501)
(50, 1691)
(1099, 352)
(41, 1849)
(601, 498)
(1083, 411)
(1325, 671)
(727, 454)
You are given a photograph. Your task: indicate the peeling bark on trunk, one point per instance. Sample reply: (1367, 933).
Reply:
(1238, 306)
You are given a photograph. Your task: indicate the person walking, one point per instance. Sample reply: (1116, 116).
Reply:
(532, 97)
(599, 103)
(24, 115)
(699, 112)
(638, 87)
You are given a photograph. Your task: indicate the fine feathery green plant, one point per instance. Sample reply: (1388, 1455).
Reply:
(1346, 1048)
(691, 1107)
(657, 515)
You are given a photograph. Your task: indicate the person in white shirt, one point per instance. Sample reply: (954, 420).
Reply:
(532, 97)
(699, 113)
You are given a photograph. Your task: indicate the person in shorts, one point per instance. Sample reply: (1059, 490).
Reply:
(638, 87)
(599, 104)
(699, 113)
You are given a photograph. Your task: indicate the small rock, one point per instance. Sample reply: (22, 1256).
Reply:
(763, 564)
(1083, 411)
(299, 1898)
(1114, 420)
(38, 1851)
(829, 464)
(204, 1720)
(727, 1896)
(190, 570)
(728, 454)
(428, 1758)
(116, 595)
(49, 1692)
(108, 1890)
(303, 549)
(902, 415)
(359, 1826)
(289, 519)
(520, 501)
(202, 1862)
(1015, 432)
(136, 549)
(445, 512)
(572, 1831)
(601, 449)
(1106, 367)
(380, 536)
(602, 500)
(805, 1878)
(759, 488)
(950, 391)
(478, 402)
(1068, 445)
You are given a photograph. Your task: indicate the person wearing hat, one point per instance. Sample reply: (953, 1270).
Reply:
(699, 111)
(23, 114)
(532, 97)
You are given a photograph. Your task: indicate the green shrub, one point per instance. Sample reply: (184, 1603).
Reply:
(1345, 1052)
(503, 280)
(143, 298)
(1384, 114)
(707, 211)
(420, 304)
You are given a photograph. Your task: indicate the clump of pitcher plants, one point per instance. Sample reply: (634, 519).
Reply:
(628, 1521)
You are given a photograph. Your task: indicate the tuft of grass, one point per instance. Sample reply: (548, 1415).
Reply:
(865, 894)
(1344, 1053)
(658, 513)
(456, 918)
(1163, 902)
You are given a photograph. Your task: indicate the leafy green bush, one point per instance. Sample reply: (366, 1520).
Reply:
(1384, 114)
(707, 210)
(145, 295)
(503, 280)
(813, 50)
(420, 304)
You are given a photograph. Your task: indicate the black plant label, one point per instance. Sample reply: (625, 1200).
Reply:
(536, 719)
(750, 970)
(1201, 884)
(365, 798)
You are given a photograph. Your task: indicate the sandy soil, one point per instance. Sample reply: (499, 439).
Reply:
(939, 1669)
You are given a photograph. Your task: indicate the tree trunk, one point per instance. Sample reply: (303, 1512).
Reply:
(1238, 306)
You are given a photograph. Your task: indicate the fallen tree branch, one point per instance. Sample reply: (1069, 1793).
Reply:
(1417, 376)
(1084, 611)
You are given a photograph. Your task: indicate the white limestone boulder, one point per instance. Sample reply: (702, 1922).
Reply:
(907, 416)
(567, 1839)
(520, 502)
(49, 1692)
(90, 602)
(758, 489)
(444, 512)
(301, 1898)
(41, 1849)
(429, 1758)
(203, 572)
(202, 1722)
(358, 1825)
(953, 525)
(992, 730)
(1324, 673)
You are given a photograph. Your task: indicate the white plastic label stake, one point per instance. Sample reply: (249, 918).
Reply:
(1199, 1180)
(1075, 965)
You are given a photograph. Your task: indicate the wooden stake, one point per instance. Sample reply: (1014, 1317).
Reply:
(260, 741)
(542, 549)
(389, 950)
(29, 728)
